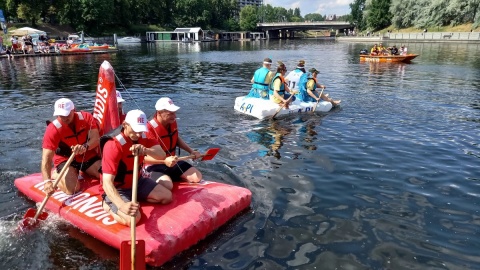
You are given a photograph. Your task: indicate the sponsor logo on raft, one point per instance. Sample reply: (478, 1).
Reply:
(84, 203)
(100, 102)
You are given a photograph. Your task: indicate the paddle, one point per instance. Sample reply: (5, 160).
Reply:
(319, 98)
(209, 155)
(281, 107)
(133, 257)
(31, 217)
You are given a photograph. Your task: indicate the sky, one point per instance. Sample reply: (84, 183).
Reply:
(323, 7)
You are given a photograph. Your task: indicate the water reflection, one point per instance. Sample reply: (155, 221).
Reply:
(271, 137)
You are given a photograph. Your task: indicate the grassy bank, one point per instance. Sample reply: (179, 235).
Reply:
(458, 28)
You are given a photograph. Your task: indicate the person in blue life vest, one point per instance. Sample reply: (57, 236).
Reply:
(293, 77)
(261, 79)
(278, 89)
(308, 84)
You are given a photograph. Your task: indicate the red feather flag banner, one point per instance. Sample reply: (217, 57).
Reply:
(105, 109)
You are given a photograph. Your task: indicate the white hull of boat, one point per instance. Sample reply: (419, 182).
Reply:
(261, 108)
(126, 40)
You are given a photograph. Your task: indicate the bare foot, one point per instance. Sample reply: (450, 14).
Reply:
(336, 102)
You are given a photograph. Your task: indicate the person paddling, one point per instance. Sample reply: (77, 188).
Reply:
(71, 132)
(118, 151)
(308, 85)
(163, 127)
(278, 89)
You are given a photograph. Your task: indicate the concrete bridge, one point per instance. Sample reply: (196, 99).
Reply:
(288, 29)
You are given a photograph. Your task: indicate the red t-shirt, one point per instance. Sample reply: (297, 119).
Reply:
(54, 135)
(114, 152)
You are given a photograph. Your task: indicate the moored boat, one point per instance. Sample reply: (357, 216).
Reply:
(196, 211)
(98, 47)
(124, 40)
(387, 58)
(262, 108)
(74, 50)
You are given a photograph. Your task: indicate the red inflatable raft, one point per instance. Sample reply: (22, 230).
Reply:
(196, 211)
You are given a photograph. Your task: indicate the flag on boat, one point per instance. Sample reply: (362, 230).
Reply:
(105, 109)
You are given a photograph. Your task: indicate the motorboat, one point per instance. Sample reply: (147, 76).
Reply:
(124, 40)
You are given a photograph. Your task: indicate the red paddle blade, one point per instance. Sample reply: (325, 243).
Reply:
(126, 255)
(29, 221)
(210, 154)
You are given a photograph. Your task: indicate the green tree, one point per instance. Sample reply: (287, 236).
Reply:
(406, 13)
(357, 8)
(296, 13)
(28, 13)
(314, 17)
(248, 18)
(378, 15)
(96, 14)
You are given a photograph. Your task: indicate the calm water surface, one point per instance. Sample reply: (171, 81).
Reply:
(390, 180)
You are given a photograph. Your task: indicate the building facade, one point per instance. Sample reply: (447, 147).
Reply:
(242, 3)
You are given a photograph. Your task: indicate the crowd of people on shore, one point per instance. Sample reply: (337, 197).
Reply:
(73, 139)
(282, 89)
(26, 45)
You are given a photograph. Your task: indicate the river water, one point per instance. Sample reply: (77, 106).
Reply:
(389, 180)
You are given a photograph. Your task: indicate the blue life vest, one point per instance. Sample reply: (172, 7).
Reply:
(260, 86)
(282, 86)
(302, 84)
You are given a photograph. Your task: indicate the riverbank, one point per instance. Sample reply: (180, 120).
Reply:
(455, 37)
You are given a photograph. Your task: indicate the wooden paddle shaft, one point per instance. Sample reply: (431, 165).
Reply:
(284, 104)
(55, 184)
(319, 98)
(133, 224)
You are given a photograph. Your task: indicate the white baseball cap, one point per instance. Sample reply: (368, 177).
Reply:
(63, 107)
(119, 97)
(166, 103)
(137, 120)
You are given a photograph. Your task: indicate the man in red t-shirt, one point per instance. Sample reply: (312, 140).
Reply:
(163, 127)
(71, 132)
(117, 169)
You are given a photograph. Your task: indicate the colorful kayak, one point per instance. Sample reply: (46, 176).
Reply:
(262, 108)
(387, 58)
(196, 211)
(75, 50)
(98, 47)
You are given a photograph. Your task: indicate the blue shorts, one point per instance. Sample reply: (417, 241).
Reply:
(174, 172)
(145, 186)
(286, 96)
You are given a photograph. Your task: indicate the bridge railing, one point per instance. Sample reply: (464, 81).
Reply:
(302, 23)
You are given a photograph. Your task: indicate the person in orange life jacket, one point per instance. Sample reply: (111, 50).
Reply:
(120, 102)
(163, 127)
(312, 84)
(71, 132)
(278, 87)
(117, 169)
